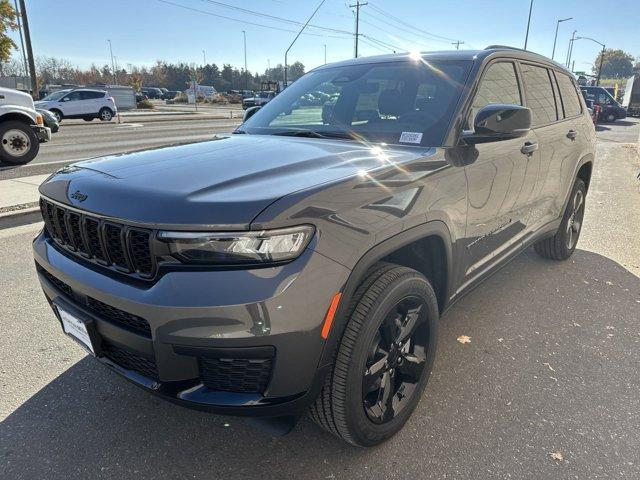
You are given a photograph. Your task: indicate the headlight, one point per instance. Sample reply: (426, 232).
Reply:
(214, 248)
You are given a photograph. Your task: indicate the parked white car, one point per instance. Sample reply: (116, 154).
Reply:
(85, 103)
(21, 128)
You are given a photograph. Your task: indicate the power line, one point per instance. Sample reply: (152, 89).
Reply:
(402, 22)
(273, 17)
(246, 22)
(374, 16)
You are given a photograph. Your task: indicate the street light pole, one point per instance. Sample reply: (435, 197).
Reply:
(204, 58)
(526, 38)
(27, 41)
(286, 53)
(570, 49)
(113, 66)
(325, 53)
(555, 39)
(601, 55)
(246, 78)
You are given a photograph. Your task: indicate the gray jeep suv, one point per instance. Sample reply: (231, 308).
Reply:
(304, 262)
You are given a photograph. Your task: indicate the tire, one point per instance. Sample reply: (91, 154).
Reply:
(19, 144)
(610, 118)
(105, 114)
(345, 407)
(562, 245)
(58, 114)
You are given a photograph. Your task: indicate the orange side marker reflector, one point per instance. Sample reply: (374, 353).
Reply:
(328, 320)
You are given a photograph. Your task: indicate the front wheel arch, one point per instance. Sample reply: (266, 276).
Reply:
(384, 249)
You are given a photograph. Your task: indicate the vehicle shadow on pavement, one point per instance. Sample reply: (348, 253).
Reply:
(551, 367)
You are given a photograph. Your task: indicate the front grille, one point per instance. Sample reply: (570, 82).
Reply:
(117, 246)
(242, 375)
(119, 317)
(130, 360)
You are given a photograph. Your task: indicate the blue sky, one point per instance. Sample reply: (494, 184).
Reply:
(143, 31)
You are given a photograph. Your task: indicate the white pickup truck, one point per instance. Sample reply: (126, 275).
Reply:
(21, 128)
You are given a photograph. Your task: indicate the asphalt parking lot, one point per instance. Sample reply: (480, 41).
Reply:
(552, 368)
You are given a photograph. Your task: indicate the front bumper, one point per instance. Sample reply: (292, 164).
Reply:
(194, 316)
(43, 133)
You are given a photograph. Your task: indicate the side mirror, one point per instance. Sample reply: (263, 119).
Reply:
(250, 112)
(497, 122)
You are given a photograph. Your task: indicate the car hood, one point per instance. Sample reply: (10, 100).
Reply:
(223, 183)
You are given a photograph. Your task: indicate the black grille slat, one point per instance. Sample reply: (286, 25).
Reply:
(240, 375)
(130, 360)
(119, 317)
(61, 224)
(114, 243)
(92, 232)
(75, 232)
(140, 252)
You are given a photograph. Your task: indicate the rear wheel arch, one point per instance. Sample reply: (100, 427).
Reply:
(585, 170)
(433, 239)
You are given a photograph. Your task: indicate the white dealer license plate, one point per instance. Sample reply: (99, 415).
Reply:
(76, 328)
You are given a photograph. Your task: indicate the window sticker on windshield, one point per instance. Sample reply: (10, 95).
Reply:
(411, 137)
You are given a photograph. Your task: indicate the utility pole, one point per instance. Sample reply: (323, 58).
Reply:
(24, 55)
(325, 53)
(357, 7)
(457, 43)
(113, 65)
(286, 53)
(27, 41)
(204, 58)
(555, 39)
(246, 78)
(526, 37)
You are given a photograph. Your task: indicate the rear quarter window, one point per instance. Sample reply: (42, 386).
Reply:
(569, 93)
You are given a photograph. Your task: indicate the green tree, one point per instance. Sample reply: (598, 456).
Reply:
(616, 64)
(7, 22)
(296, 70)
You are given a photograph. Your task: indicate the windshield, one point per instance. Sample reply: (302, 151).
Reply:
(407, 102)
(263, 95)
(57, 95)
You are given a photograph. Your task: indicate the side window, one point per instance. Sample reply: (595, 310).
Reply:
(539, 94)
(72, 97)
(499, 84)
(569, 94)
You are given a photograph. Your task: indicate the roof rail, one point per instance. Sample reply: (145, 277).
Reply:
(490, 47)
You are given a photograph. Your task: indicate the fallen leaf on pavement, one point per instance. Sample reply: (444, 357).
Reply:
(549, 366)
(557, 456)
(464, 339)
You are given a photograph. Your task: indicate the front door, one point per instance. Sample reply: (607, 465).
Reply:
(499, 181)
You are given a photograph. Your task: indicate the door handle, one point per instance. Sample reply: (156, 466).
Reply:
(572, 134)
(529, 147)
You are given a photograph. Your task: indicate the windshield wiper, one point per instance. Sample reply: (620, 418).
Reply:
(303, 132)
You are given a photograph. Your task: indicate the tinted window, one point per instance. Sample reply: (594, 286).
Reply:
(396, 102)
(499, 84)
(570, 100)
(539, 94)
(87, 95)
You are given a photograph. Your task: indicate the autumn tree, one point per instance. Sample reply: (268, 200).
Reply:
(7, 23)
(616, 64)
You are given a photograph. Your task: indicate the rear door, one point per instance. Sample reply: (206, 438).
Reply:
(541, 97)
(499, 181)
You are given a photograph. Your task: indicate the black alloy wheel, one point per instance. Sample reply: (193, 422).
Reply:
(397, 358)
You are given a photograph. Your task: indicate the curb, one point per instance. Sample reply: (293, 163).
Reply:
(20, 217)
